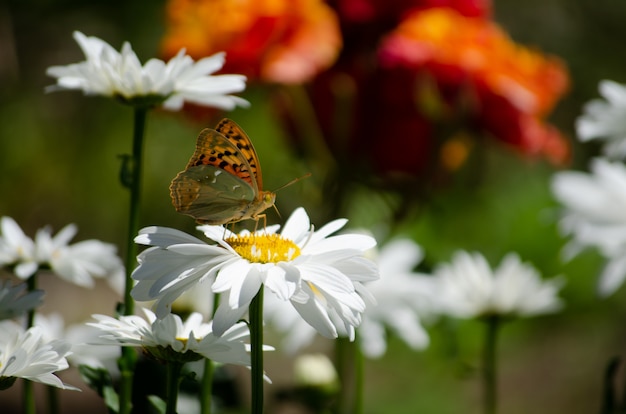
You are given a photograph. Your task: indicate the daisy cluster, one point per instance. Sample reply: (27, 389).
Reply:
(77, 263)
(37, 352)
(332, 285)
(594, 202)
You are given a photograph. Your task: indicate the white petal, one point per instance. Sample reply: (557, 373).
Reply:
(612, 277)
(164, 236)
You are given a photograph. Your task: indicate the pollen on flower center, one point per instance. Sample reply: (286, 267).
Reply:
(264, 248)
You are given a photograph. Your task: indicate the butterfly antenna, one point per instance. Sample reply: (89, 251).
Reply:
(295, 180)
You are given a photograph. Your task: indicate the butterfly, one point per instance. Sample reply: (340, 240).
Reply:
(222, 182)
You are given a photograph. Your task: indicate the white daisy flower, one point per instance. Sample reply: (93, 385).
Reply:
(52, 326)
(595, 216)
(283, 318)
(469, 288)
(15, 302)
(80, 337)
(199, 299)
(171, 339)
(400, 299)
(26, 354)
(175, 264)
(108, 72)
(321, 276)
(77, 263)
(403, 299)
(606, 119)
(16, 249)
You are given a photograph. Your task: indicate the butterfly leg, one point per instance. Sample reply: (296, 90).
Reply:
(257, 218)
(232, 228)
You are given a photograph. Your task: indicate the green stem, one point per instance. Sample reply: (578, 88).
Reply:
(256, 343)
(53, 400)
(207, 384)
(29, 398)
(173, 382)
(135, 197)
(610, 398)
(28, 393)
(206, 397)
(31, 284)
(343, 349)
(490, 364)
(359, 362)
(129, 357)
(126, 365)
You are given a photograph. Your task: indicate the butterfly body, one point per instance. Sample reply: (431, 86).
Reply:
(222, 182)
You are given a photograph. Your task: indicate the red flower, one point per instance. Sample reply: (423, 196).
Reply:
(508, 89)
(370, 122)
(415, 111)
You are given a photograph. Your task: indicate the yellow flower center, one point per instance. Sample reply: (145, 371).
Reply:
(264, 248)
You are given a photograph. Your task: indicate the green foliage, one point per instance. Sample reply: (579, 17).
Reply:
(100, 381)
(157, 403)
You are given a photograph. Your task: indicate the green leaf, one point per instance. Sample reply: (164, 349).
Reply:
(100, 381)
(158, 403)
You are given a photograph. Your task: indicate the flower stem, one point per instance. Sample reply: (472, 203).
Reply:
(344, 364)
(28, 393)
(29, 398)
(53, 400)
(173, 382)
(207, 383)
(490, 363)
(256, 343)
(135, 197)
(31, 284)
(206, 397)
(129, 357)
(359, 362)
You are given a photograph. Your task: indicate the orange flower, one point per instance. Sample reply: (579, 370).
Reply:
(531, 81)
(284, 41)
(467, 54)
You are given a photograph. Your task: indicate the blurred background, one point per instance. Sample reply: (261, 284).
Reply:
(59, 157)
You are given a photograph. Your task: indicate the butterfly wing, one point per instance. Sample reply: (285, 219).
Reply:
(237, 136)
(222, 181)
(213, 148)
(210, 194)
